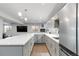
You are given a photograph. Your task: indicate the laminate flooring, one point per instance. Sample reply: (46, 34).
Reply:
(40, 50)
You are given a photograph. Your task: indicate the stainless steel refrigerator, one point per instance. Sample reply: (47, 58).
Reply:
(68, 30)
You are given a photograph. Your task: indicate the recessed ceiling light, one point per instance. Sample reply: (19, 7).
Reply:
(55, 17)
(25, 19)
(19, 13)
(40, 17)
(66, 19)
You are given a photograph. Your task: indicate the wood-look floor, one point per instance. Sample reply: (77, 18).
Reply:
(40, 50)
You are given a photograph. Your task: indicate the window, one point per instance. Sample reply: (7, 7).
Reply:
(7, 28)
(35, 28)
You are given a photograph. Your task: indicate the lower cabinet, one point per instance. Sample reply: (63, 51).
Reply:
(27, 49)
(17, 50)
(11, 50)
(53, 47)
(39, 38)
(56, 49)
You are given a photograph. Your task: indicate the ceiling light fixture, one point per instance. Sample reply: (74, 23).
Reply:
(66, 19)
(55, 17)
(25, 19)
(19, 13)
(40, 17)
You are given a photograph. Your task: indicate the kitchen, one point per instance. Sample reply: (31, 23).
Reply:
(24, 25)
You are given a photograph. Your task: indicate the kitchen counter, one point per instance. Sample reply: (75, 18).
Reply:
(22, 39)
(52, 37)
(16, 40)
(21, 45)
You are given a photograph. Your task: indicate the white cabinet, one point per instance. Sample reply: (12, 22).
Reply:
(39, 38)
(57, 49)
(11, 50)
(17, 50)
(27, 49)
(53, 46)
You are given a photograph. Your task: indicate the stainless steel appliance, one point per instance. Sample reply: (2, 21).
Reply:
(68, 30)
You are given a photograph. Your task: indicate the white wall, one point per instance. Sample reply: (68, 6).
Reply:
(1, 28)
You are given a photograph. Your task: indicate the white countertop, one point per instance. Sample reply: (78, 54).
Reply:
(16, 40)
(22, 39)
(52, 37)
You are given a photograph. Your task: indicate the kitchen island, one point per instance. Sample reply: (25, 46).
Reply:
(21, 45)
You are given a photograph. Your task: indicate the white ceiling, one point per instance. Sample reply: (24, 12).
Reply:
(36, 12)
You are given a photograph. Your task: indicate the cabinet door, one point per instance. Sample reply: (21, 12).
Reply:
(35, 39)
(57, 49)
(25, 50)
(28, 47)
(53, 47)
(43, 39)
(39, 38)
